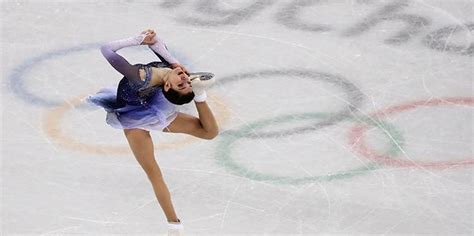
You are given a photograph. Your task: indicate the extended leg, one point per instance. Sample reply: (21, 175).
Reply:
(142, 147)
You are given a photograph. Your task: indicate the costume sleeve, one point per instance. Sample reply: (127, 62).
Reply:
(159, 48)
(117, 61)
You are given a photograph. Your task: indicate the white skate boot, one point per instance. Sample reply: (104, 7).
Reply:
(200, 81)
(175, 229)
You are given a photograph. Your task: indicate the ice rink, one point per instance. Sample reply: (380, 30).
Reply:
(336, 117)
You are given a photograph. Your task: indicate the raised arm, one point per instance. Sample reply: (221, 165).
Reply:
(109, 50)
(160, 50)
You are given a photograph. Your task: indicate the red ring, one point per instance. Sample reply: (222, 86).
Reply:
(357, 132)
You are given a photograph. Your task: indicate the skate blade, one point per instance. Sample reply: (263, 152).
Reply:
(201, 75)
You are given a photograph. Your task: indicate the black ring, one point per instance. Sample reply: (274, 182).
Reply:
(354, 97)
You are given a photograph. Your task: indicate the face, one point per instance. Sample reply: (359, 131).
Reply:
(178, 81)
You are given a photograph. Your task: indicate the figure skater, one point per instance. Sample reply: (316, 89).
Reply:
(146, 100)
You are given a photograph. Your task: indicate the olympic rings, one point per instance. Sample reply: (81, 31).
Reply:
(52, 128)
(357, 134)
(224, 150)
(354, 98)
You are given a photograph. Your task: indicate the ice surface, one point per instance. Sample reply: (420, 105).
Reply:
(336, 117)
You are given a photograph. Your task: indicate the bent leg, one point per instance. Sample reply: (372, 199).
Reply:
(204, 127)
(142, 147)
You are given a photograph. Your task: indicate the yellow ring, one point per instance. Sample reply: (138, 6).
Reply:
(52, 127)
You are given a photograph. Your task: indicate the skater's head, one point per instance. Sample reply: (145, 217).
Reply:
(177, 87)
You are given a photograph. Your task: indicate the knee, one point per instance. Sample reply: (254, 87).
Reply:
(211, 134)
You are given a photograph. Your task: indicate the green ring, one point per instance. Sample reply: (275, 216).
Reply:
(224, 149)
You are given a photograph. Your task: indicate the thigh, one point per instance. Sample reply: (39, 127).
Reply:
(141, 143)
(186, 124)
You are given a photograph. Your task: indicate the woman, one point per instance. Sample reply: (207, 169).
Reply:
(143, 102)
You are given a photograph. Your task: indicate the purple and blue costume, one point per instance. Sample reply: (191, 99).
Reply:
(135, 104)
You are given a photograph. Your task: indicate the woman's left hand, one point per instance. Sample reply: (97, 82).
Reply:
(149, 37)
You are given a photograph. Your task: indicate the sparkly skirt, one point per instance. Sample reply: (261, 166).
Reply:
(155, 114)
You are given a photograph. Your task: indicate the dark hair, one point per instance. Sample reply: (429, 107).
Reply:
(177, 98)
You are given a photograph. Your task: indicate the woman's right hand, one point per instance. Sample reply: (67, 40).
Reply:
(149, 37)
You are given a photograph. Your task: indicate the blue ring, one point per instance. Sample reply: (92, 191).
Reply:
(17, 76)
(16, 79)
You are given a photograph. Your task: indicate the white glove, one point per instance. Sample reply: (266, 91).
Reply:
(200, 81)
